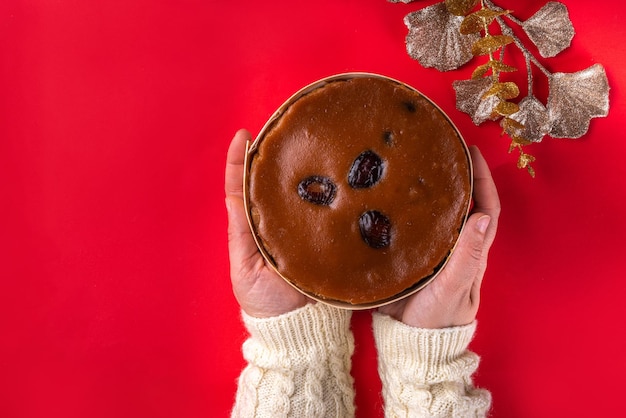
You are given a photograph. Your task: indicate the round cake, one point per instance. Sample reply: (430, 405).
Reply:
(357, 190)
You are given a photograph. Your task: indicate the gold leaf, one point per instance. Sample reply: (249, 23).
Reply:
(502, 67)
(460, 7)
(481, 70)
(506, 108)
(524, 162)
(494, 65)
(512, 127)
(519, 140)
(477, 21)
(525, 159)
(472, 24)
(434, 38)
(507, 90)
(490, 14)
(490, 44)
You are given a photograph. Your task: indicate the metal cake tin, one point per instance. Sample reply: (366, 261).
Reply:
(251, 149)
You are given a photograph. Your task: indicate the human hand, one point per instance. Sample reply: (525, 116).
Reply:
(259, 290)
(452, 298)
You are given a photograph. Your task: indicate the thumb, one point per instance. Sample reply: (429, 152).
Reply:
(480, 249)
(473, 239)
(469, 261)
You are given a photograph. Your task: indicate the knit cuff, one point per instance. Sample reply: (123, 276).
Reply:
(315, 327)
(424, 356)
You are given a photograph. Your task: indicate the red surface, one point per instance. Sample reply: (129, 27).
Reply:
(115, 117)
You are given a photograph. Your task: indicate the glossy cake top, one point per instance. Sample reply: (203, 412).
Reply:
(358, 191)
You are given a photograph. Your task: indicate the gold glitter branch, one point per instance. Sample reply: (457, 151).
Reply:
(479, 22)
(449, 34)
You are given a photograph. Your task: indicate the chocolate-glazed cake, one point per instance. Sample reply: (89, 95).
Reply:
(358, 190)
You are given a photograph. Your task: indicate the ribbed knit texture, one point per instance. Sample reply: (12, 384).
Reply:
(298, 365)
(427, 373)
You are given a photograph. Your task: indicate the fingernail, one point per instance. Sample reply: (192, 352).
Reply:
(483, 223)
(228, 204)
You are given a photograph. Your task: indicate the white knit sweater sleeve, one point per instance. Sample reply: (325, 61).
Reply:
(428, 372)
(298, 365)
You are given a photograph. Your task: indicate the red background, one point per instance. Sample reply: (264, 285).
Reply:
(115, 117)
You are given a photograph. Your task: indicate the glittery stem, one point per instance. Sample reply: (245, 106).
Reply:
(529, 73)
(524, 159)
(495, 74)
(508, 31)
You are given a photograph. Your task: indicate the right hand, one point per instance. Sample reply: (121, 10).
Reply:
(453, 296)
